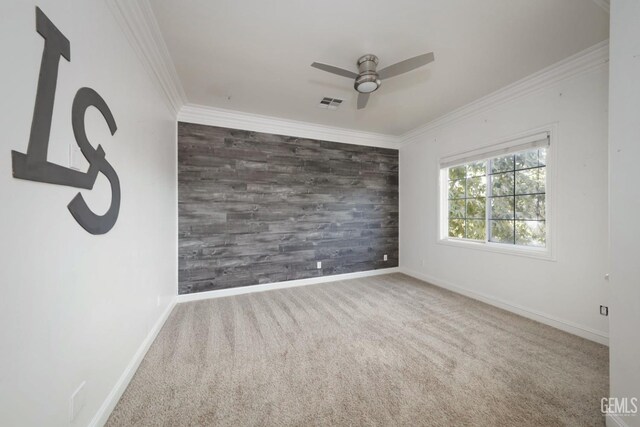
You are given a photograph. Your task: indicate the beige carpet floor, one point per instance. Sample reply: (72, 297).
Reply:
(386, 350)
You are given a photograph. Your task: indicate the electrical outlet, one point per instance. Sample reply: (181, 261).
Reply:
(385, 257)
(604, 310)
(319, 264)
(77, 401)
(158, 301)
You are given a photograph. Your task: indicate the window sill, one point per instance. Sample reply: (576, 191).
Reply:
(537, 253)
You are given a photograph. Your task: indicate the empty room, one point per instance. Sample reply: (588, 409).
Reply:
(320, 213)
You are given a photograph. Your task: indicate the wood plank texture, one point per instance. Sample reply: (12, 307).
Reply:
(260, 208)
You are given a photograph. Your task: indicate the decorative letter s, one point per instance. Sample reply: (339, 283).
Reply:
(91, 222)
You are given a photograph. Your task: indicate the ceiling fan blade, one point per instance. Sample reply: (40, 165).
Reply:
(334, 70)
(406, 65)
(363, 98)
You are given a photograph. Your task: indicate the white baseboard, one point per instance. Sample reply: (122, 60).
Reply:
(547, 319)
(101, 417)
(281, 285)
(615, 421)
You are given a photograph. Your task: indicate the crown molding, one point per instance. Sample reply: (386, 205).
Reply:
(582, 62)
(211, 116)
(604, 4)
(139, 24)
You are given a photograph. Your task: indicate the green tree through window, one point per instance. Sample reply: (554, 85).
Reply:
(467, 201)
(500, 200)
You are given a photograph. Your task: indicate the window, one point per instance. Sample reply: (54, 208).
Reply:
(467, 201)
(517, 198)
(498, 197)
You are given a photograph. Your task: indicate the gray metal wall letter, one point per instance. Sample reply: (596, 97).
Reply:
(34, 165)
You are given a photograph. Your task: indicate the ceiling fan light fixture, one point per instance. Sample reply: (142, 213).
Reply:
(367, 87)
(367, 83)
(367, 80)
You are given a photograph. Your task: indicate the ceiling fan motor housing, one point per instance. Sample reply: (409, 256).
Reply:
(367, 80)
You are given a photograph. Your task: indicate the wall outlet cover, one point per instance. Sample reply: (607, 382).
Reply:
(604, 310)
(319, 264)
(385, 257)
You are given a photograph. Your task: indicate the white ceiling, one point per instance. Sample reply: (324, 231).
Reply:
(254, 55)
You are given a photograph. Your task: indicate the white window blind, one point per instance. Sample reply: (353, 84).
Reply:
(520, 144)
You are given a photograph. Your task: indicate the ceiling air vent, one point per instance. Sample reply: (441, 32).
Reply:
(330, 103)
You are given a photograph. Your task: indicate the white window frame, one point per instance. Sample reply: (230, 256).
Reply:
(487, 152)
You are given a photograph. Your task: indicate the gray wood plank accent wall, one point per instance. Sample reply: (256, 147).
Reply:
(261, 208)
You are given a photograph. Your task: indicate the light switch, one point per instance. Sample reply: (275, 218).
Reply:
(76, 159)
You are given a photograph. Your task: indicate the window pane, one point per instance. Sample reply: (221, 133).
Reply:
(530, 181)
(542, 156)
(456, 208)
(459, 172)
(456, 228)
(502, 184)
(477, 187)
(502, 231)
(476, 208)
(502, 207)
(476, 229)
(530, 207)
(531, 233)
(467, 188)
(476, 169)
(456, 189)
(502, 164)
(527, 159)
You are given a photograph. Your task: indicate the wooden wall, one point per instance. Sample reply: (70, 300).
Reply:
(261, 208)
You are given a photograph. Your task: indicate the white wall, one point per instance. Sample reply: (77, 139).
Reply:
(566, 292)
(76, 307)
(624, 152)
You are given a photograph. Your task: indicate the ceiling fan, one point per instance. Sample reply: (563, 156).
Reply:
(368, 79)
